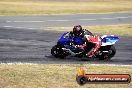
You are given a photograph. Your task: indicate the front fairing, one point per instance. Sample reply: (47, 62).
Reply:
(66, 38)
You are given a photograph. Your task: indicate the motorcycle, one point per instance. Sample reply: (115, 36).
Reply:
(67, 45)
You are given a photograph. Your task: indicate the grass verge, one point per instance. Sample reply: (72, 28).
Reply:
(55, 76)
(121, 29)
(42, 7)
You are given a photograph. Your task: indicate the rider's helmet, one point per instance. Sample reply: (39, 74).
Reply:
(77, 29)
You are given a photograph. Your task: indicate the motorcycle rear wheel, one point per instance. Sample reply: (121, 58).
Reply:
(111, 52)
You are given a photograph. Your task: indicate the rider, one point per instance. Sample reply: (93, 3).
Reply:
(78, 31)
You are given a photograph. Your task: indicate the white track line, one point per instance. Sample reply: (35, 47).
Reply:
(7, 26)
(19, 27)
(59, 20)
(38, 21)
(20, 63)
(107, 18)
(25, 21)
(87, 19)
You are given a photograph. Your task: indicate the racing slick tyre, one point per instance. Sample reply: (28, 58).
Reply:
(57, 52)
(81, 80)
(107, 56)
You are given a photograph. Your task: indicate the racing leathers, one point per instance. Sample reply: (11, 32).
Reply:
(89, 41)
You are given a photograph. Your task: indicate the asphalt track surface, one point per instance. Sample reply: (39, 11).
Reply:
(23, 38)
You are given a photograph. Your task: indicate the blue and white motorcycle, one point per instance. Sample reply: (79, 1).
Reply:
(64, 46)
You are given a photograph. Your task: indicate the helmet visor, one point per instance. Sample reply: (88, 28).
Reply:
(78, 28)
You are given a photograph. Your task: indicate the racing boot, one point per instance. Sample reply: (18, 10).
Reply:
(90, 55)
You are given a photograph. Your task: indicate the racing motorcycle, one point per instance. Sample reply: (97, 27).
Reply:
(67, 45)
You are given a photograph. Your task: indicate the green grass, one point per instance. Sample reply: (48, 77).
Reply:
(120, 29)
(55, 76)
(42, 7)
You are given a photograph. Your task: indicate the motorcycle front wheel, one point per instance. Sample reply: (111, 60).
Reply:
(57, 52)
